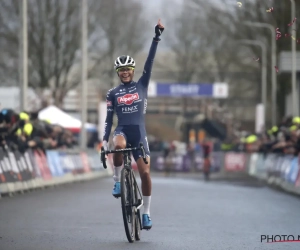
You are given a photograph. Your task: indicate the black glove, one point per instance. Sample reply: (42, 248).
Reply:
(158, 31)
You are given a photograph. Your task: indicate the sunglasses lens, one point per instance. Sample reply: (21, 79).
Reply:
(125, 69)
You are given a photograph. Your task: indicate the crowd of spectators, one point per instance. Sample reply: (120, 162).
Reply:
(24, 130)
(284, 138)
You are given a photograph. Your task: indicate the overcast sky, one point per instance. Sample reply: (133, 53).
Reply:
(163, 9)
(155, 9)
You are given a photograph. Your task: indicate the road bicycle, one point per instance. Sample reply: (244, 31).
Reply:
(131, 197)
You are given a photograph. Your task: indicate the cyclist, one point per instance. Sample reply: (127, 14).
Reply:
(207, 160)
(129, 100)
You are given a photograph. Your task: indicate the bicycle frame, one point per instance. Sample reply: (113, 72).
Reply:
(127, 162)
(136, 203)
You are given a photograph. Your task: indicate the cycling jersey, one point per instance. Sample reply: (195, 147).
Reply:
(129, 100)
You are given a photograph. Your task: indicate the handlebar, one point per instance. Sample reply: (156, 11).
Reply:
(103, 153)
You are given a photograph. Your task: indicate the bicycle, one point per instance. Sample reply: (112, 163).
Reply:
(131, 197)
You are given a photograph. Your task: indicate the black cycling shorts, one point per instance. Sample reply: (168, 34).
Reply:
(134, 134)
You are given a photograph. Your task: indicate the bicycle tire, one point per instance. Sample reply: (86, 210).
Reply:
(126, 188)
(137, 214)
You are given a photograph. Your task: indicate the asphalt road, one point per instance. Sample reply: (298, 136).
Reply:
(186, 214)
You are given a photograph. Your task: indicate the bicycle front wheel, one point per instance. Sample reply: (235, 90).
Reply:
(138, 225)
(127, 197)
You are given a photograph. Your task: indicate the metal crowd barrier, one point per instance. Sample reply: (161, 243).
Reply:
(278, 170)
(185, 162)
(35, 168)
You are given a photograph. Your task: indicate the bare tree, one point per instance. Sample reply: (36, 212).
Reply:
(9, 27)
(226, 26)
(207, 49)
(122, 25)
(54, 33)
(53, 41)
(186, 42)
(203, 46)
(259, 11)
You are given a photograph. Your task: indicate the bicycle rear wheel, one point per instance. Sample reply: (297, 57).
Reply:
(127, 199)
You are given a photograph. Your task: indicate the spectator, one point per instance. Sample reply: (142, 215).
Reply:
(283, 138)
(22, 131)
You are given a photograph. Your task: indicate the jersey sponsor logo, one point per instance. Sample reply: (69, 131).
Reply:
(105, 132)
(145, 106)
(128, 99)
(130, 109)
(147, 145)
(108, 103)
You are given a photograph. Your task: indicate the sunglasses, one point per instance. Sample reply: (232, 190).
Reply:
(123, 69)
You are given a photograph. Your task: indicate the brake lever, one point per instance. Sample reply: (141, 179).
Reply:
(103, 159)
(143, 153)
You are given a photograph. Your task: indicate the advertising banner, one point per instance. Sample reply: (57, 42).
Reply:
(235, 162)
(215, 90)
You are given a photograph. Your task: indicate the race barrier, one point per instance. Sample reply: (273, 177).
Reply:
(281, 171)
(277, 170)
(185, 162)
(36, 168)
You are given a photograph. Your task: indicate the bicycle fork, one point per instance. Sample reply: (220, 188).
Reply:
(138, 203)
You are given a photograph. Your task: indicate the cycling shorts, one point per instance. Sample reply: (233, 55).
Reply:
(134, 134)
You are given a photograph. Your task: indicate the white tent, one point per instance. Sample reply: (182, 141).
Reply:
(56, 116)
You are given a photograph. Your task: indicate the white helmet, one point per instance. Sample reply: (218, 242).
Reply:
(123, 61)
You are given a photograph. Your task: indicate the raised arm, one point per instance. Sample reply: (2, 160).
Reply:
(145, 78)
(109, 115)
